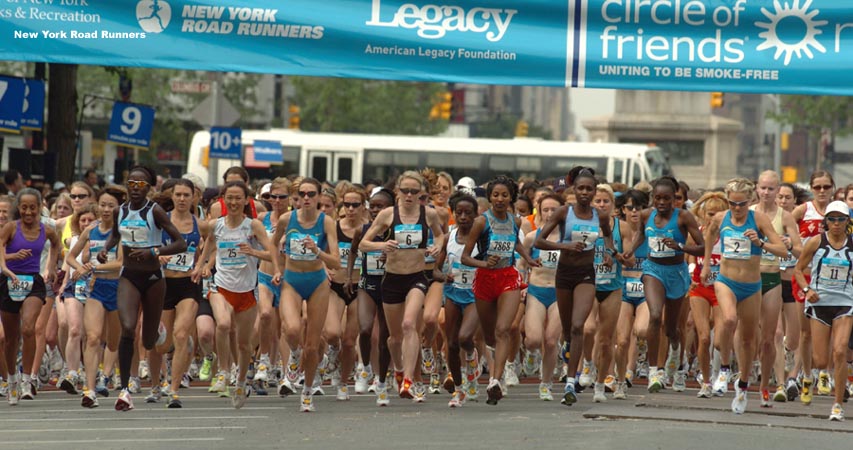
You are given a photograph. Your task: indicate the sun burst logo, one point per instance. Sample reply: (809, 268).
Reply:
(789, 13)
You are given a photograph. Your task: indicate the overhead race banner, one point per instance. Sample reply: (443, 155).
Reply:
(779, 46)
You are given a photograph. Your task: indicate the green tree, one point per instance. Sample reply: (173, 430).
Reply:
(815, 113)
(366, 106)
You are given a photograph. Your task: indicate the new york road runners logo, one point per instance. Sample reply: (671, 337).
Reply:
(153, 15)
(792, 29)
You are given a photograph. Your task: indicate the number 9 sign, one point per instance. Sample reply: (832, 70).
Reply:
(131, 125)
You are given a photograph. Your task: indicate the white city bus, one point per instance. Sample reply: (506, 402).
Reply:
(358, 157)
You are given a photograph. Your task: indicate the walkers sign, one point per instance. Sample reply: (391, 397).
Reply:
(783, 46)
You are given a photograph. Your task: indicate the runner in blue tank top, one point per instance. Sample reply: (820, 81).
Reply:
(580, 224)
(665, 276)
(829, 296)
(738, 286)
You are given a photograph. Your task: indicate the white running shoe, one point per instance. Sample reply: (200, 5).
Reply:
(705, 391)
(285, 387)
(656, 381)
(306, 403)
(545, 392)
(419, 393)
(457, 399)
(162, 333)
(721, 384)
(382, 395)
(532, 360)
(598, 393)
(427, 360)
(27, 390)
(837, 413)
(343, 393)
(435, 383)
(472, 391)
(472, 367)
(510, 377)
(372, 387)
(621, 391)
(740, 401)
(124, 402)
(13, 394)
(134, 385)
(587, 377)
(90, 399)
(144, 372)
(154, 396)
(291, 370)
(221, 383)
(262, 368)
(362, 378)
(238, 399)
(672, 359)
(679, 381)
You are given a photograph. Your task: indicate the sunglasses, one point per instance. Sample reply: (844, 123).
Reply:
(822, 187)
(679, 197)
(352, 205)
(409, 191)
(278, 196)
(80, 196)
(423, 198)
(840, 219)
(632, 207)
(734, 204)
(309, 194)
(134, 184)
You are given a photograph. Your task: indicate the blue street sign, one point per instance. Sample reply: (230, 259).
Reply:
(11, 104)
(131, 125)
(268, 151)
(226, 143)
(33, 112)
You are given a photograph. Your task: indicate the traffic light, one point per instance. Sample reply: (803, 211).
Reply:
(293, 117)
(717, 100)
(521, 128)
(443, 106)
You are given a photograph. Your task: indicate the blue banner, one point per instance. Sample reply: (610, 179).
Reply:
(11, 104)
(268, 151)
(226, 143)
(32, 117)
(131, 125)
(780, 46)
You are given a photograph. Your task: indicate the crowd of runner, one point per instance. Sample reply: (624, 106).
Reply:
(420, 285)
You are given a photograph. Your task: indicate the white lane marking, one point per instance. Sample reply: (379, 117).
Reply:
(127, 417)
(67, 430)
(98, 441)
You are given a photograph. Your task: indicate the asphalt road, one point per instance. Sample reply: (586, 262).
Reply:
(667, 420)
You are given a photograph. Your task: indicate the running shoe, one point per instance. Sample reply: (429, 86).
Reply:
(706, 391)
(598, 393)
(124, 402)
(765, 399)
(69, 383)
(472, 366)
(306, 403)
(565, 351)
(162, 334)
(193, 370)
(721, 384)
(372, 387)
(27, 390)
(362, 378)
(435, 383)
(755, 372)
(780, 396)
(238, 400)
(398, 379)
(569, 395)
(494, 392)
(823, 387)
(472, 391)
(587, 374)
(740, 401)
(629, 378)
(117, 380)
(259, 388)
(90, 399)
(679, 381)
(101, 386)
(545, 392)
(382, 395)
(220, 383)
(343, 393)
(457, 400)
(449, 385)
(789, 360)
(144, 371)
(285, 387)
(154, 396)
(621, 391)
(406, 388)
(333, 362)
(643, 370)
(185, 381)
(317, 385)
(672, 359)
(656, 381)
(262, 369)
(134, 385)
(207, 367)
(531, 362)
(837, 413)
(510, 377)
(792, 391)
(427, 360)
(13, 395)
(609, 383)
(806, 394)
(174, 402)
(4, 387)
(419, 393)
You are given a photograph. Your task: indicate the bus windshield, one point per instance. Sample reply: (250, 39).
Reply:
(657, 163)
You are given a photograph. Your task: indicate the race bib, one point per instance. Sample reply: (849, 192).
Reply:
(95, 247)
(298, 252)
(81, 289)
(603, 274)
(634, 288)
(463, 276)
(736, 247)
(657, 247)
(502, 245)
(429, 258)
(134, 233)
(19, 290)
(787, 262)
(715, 272)
(833, 272)
(375, 264)
(408, 235)
(587, 234)
(549, 258)
(206, 285)
(344, 249)
(182, 262)
(229, 255)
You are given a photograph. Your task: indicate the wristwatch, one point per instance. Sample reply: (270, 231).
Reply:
(156, 251)
(806, 290)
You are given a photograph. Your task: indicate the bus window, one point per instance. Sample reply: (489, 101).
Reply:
(657, 163)
(320, 167)
(384, 165)
(637, 173)
(291, 161)
(618, 169)
(458, 165)
(344, 167)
